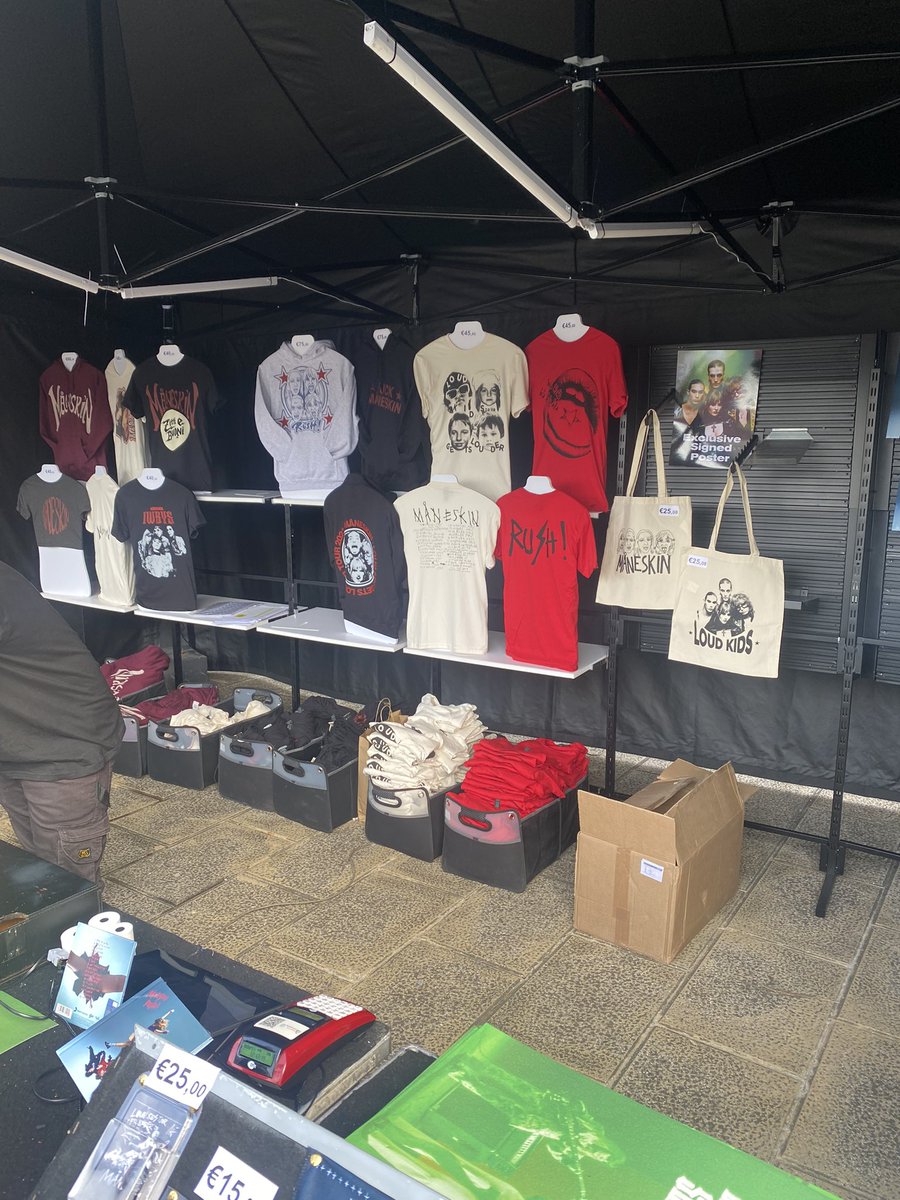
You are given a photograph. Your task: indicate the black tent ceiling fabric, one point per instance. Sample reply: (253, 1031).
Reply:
(158, 145)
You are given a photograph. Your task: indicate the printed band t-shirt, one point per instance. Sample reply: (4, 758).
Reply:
(575, 386)
(56, 510)
(546, 541)
(158, 524)
(74, 417)
(115, 570)
(362, 532)
(449, 534)
(393, 436)
(129, 434)
(176, 402)
(468, 398)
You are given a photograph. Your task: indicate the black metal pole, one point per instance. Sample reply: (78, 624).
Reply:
(583, 99)
(98, 81)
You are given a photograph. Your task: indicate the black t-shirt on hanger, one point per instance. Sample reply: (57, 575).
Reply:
(158, 524)
(393, 435)
(57, 509)
(365, 545)
(176, 402)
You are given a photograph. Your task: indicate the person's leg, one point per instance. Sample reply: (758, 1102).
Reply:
(13, 800)
(70, 821)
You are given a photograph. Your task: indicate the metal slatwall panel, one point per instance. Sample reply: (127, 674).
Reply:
(888, 662)
(800, 511)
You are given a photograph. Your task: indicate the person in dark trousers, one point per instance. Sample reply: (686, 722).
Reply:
(60, 728)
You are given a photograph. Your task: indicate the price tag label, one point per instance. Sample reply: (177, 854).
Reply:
(182, 1076)
(669, 510)
(697, 560)
(227, 1178)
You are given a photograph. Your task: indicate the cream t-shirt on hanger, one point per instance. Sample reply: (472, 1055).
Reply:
(468, 397)
(115, 569)
(449, 535)
(129, 433)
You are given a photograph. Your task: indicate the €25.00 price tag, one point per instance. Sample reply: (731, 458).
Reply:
(182, 1076)
(227, 1178)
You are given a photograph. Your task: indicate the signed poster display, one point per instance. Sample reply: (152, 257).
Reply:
(715, 407)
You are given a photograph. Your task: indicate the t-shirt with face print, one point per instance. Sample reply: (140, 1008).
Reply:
(468, 397)
(158, 524)
(56, 509)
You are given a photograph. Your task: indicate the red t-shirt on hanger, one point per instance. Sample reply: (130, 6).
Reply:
(546, 540)
(575, 387)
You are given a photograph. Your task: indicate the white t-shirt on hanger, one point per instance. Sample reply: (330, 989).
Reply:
(129, 433)
(115, 569)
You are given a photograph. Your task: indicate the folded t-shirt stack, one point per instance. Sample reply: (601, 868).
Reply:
(206, 719)
(173, 702)
(523, 776)
(135, 672)
(426, 754)
(317, 717)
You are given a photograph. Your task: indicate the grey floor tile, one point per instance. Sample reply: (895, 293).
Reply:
(873, 822)
(431, 873)
(353, 932)
(601, 998)
(781, 907)
(768, 1001)
(123, 846)
(430, 995)
(890, 910)
(324, 863)
(271, 822)
(293, 970)
(512, 929)
(126, 796)
(784, 806)
(741, 1102)
(874, 995)
(125, 900)
(759, 849)
(181, 814)
(237, 912)
(866, 869)
(179, 872)
(847, 1128)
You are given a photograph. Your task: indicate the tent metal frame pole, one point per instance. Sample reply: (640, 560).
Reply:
(753, 62)
(773, 146)
(100, 184)
(615, 631)
(723, 233)
(583, 103)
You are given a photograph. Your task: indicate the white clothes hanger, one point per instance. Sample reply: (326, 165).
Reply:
(50, 472)
(119, 359)
(98, 470)
(467, 334)
(569, 327)
(170, 354)
(381, 336)
(539, 484)
(444, 479)
(152, 478)
(69, 359)
(302, 343)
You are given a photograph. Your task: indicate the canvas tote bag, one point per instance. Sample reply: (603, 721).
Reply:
(730, 607)
(645, 538)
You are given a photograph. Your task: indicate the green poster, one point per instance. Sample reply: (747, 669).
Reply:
(15, 1030)
(493, 1119)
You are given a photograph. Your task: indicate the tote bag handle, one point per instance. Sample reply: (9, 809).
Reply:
(726, 492)
(639, 445)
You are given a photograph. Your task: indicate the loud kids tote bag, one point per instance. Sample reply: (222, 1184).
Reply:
(730, 607)
(645, 538)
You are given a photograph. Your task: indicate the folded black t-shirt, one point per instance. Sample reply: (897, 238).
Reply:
(158, 524)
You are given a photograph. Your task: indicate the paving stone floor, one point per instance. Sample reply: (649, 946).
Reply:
(773, 1030)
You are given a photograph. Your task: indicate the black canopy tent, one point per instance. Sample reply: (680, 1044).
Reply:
(158, 145)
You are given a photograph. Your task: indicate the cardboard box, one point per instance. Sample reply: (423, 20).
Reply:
(651, 871)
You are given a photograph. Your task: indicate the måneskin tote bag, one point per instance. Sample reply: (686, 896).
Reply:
(729, 610)
(645, 538)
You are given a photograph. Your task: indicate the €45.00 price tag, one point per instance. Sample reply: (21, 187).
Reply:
(227, 1178)
(182, 1076)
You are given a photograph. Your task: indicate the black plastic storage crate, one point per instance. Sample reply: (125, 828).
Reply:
(184, 756)
(418, 836)
(306, 793)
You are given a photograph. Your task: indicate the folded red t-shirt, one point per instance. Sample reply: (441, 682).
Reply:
(523, 776)
(135, 672)
(173, 702)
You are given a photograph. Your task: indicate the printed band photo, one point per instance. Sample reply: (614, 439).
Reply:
(715, 407)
